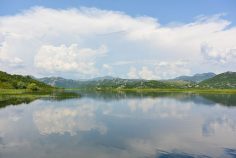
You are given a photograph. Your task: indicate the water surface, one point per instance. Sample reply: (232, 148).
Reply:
(115, 125)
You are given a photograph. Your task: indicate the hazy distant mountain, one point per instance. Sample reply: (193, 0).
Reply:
(223, 80)
(211, 80)
(102, 78)
(104, 82)
(196, 78)
(59, 82)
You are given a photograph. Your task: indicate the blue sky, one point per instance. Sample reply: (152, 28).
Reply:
(130, 39)
(165, 11)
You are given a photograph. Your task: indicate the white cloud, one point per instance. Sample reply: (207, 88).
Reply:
(71, 58)
(6, 60)
(159, 70)
(218, 55)
(146, 73)
(14, 63)
(143, 73)
(30, 35)
(108, 69)
(133, 73)
(171, 69)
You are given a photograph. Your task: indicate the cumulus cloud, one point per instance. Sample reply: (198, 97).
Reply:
(6, 60)
(159, 70)
(218, 55)
(71, 58)
(171, 69)
(146, 73)
(133, 73)
(143, 73)
(43, 39)
(108, 69)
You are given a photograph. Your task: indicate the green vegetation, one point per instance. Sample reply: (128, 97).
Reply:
(118, 83)
(185, 90)
(19, 96)
(33, 87)
(16, 100)
(112, 83)
(179, 83)
(107, 83)
(211, 83)
(10, 97)
(222, 83)
(17, 89)
(8, 81)
(225, 80)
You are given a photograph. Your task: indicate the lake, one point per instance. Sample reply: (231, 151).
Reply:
(120, 125)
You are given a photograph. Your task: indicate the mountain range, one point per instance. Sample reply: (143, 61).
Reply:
(104, 83)
(196, 78)
(226, 80)
(205, 80)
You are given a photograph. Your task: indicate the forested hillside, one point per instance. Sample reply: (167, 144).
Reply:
(8, 81)
(225, 80)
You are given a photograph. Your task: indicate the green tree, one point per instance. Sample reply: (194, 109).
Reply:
(20, 85)
(32, 87)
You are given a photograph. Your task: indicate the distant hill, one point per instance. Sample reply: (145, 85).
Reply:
(105, 82)
(223, 80)
(127, 83)
(8, 81)
(179, 83)
(59, 82)
(195, 78)
(102, 78)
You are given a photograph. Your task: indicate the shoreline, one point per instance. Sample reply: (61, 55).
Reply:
(212, 91)
(146, 90)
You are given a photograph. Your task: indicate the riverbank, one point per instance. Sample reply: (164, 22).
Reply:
(45, 93)
(6, 94)
(215, 91)
(212, 91)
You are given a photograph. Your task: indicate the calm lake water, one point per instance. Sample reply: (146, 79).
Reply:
(120, 125)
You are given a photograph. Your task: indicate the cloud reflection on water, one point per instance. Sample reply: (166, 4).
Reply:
(59, 120)
(128, 127)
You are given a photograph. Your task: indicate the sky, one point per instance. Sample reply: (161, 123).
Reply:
(145, 39)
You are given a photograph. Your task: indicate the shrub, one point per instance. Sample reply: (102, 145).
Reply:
(32, 87)
(20, 85)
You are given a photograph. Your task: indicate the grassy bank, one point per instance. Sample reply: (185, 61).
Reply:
(212, 91)
(18, 96)
(25, 91)
(6, 94)
(56, 92)
(46, 93)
